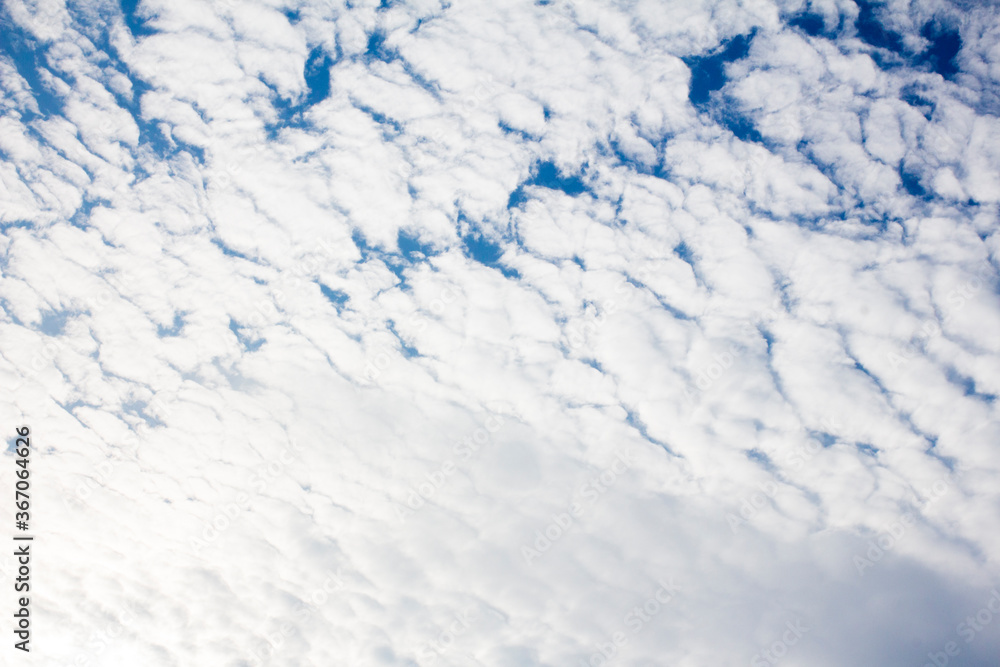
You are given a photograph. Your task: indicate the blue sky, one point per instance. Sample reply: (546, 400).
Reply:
(428, 333)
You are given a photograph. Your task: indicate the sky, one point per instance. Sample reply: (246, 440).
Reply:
(633, 333)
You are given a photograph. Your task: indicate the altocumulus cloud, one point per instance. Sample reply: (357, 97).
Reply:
(268, 266)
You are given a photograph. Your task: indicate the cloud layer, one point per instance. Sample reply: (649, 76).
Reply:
(565, 333)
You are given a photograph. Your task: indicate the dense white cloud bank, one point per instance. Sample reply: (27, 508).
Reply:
(507, 334)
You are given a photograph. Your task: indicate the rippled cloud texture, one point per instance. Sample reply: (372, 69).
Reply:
(639, 332)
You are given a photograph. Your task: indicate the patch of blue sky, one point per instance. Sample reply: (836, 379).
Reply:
(812, 24)
(915, 99)
(675, 312)
(407, 351)
(317, 76)
(728, 115)
(29, 59)
(512, 131)
(135, 24)
(708, 75)
(16, 224)
(53, 322)
(397, 263)
(92, 21)
(150, 134)
(398, 266)
(633, 420)
(684, 252)
(335, 297)
(867, 449)
(761, 458)
(137, 408)
(227, 251)
(376, 48)
(249, 343)
(487, 252)
(871, 376)
(547, 175)
(708, 72)
(517, 197)
(911, 183)
(945, 44)
(948, 462)
(411, 248)
(614, 148)
(173, 330)
(390, 128)
(81, 217)
(871, 30)
(823, 438)
(316, 73)
(362, 244)
(430, 87)
(968, 386)
(940, 56)
(829, 169)
(768, 339)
